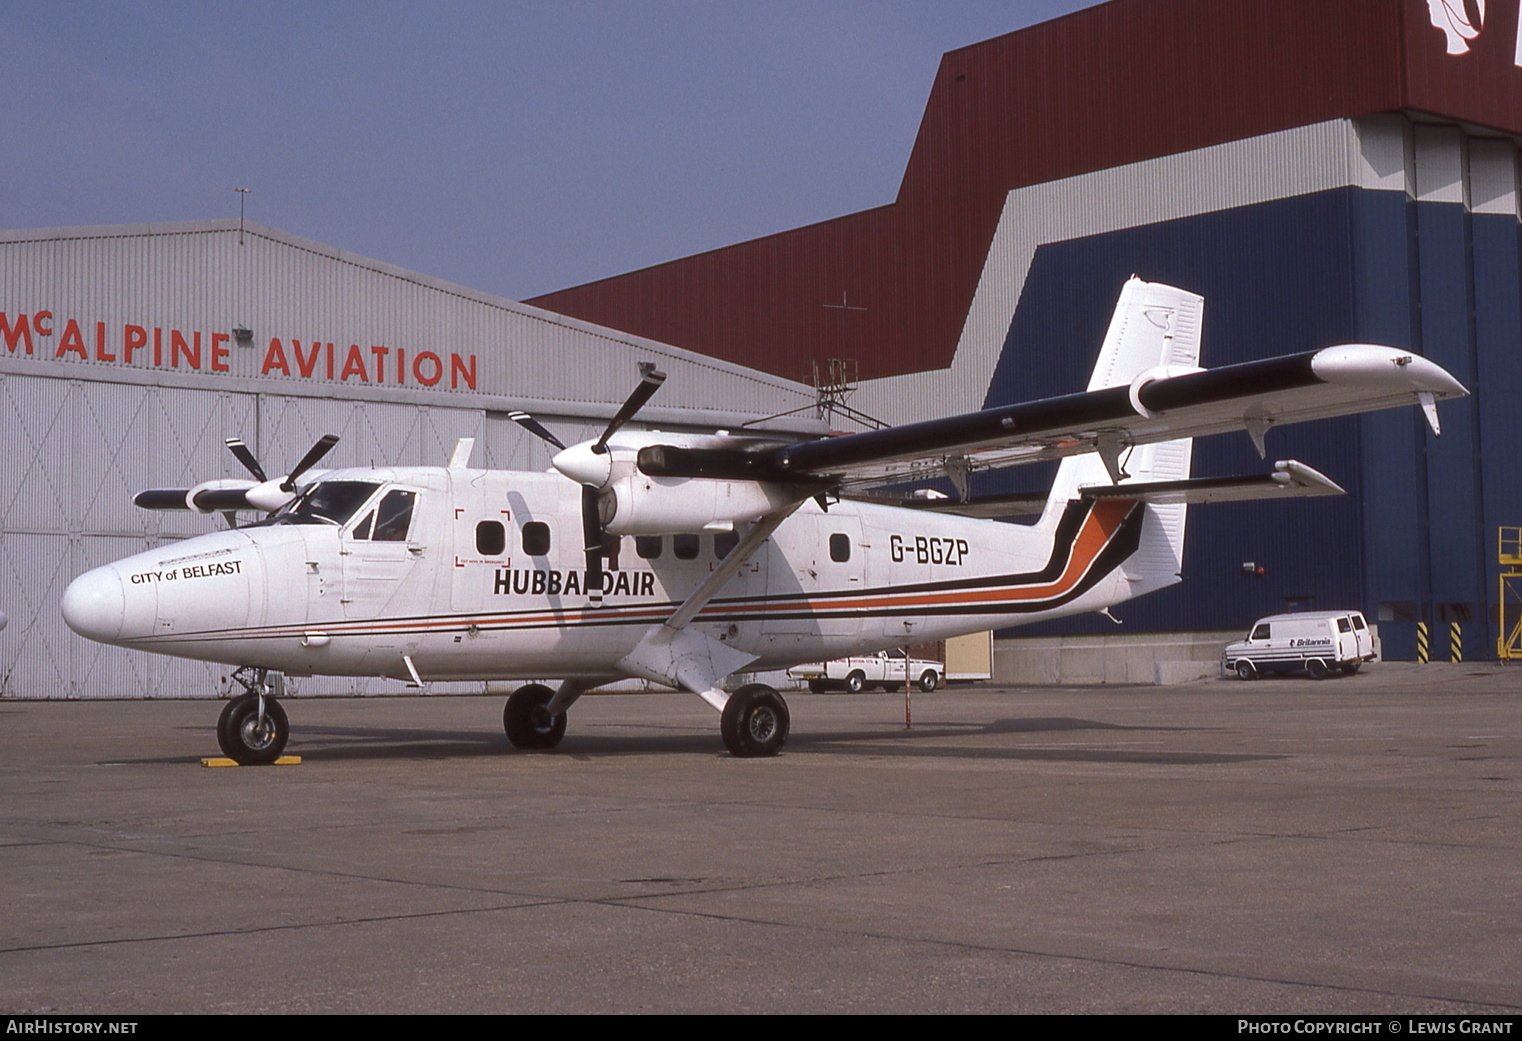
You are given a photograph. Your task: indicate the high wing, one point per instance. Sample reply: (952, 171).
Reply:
(1253, 396)
(1146, 387)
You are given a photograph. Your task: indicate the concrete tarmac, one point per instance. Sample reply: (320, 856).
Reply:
(1282, 846)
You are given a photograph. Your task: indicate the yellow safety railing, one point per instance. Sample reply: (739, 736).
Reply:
(1509, 594)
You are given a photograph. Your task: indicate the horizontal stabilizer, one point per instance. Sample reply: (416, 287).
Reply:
(1290, 479)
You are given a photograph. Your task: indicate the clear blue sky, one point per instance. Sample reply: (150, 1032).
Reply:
(512, 147)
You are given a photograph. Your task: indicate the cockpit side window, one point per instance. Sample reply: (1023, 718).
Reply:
(332, 501)
(394, 516)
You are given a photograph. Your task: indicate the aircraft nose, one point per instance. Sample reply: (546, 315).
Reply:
(95, 605)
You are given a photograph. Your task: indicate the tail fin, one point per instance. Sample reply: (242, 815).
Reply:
(1154, 325)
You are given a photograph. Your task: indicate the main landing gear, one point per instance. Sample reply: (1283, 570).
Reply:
(252, 729)
(754, 722)
(527, 720)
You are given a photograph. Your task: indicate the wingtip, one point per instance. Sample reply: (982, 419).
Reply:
(1367, 363)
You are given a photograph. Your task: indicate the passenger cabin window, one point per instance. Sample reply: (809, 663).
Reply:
(1260, 633)
(491, 538)
(536, 538)
(840, 547)
(648, 547)
(685, 547)
(724, 543)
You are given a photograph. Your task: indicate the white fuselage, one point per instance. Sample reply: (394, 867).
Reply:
(470, 591)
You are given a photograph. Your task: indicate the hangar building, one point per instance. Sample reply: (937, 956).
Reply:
(1321, 172)
(129, 354)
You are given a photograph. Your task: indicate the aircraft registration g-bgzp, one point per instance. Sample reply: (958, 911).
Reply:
(747, 553)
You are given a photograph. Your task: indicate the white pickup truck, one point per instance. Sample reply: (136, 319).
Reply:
(884, 669)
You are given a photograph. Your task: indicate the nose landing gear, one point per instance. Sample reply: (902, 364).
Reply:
(252, 729)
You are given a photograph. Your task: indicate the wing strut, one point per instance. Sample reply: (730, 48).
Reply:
(673, 654)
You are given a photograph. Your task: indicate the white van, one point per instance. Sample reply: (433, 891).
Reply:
(1318, 642)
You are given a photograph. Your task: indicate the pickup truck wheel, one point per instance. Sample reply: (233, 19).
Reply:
(929, 680)
(1316, 669)
(856, 682)
(1245, 671)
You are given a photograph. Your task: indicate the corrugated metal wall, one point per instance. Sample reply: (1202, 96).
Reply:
(1419, 249)
(203, 279)
(88, 423)
(75, 453)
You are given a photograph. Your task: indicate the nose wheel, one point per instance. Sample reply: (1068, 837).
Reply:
(251, 737)
(252, 729)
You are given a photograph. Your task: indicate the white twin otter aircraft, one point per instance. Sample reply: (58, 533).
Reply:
(747, 553)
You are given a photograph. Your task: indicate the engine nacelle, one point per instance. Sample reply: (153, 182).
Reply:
(224, 493)
(638, 504)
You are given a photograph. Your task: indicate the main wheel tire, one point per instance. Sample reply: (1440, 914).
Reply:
(527, 723)
(1316, 669)
(244, 739)
(1245, 670)
(755, 722)
(856, 682)
(929, 681)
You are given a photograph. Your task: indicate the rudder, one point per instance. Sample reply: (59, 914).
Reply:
(1154, 326)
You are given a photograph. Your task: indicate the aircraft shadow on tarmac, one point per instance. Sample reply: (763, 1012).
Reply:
(327, 743)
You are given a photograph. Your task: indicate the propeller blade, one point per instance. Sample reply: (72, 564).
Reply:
(650, 380)
(239, 449)
(592, 537)
(321, 448)
(533, 426)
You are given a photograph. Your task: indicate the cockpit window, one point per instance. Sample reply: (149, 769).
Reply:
(394, 516)
(332, 502)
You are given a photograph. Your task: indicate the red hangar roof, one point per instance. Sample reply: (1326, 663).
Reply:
(1126, 81)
